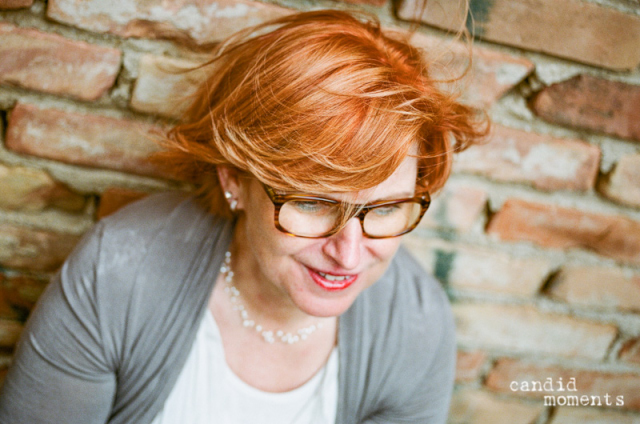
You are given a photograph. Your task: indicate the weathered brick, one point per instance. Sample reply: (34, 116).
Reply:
(591, 103)
(9, 332)
(543, 161)
(115, 198)
(33, 189)
(15, 4)
(164, 87)
(21, 292)
(480, 270)
(480, 407)
(38, 250)
(6, 310)
(3, 375)
(524, 329)
(53, 64)
(630, 352)
(623, 185)
(469, 365)
(492, 73)
(553, 226)
(592, 415)
(371, 2)
(588, 383)
(572, 29)
(201, 20)
(88, 140)
(457, 207)
(597, 287)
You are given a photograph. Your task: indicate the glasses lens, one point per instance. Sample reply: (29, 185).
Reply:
(309, 218)
(392, 220)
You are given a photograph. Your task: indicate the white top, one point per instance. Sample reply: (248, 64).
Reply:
(207, 391)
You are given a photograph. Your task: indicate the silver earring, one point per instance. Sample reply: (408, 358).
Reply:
(233, 205)
(228, 195)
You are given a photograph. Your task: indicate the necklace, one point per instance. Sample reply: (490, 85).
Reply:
(268, 335)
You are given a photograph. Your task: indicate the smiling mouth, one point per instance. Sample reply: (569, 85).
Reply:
(331, 282)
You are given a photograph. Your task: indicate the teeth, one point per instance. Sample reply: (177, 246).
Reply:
(333, 277)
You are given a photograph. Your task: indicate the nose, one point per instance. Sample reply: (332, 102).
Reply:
(344, 246)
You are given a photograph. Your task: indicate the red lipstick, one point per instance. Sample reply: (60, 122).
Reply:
(332, 282)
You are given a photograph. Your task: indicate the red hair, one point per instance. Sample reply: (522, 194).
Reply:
(318, 102)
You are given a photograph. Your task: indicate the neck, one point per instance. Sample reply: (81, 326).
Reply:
(265, 302)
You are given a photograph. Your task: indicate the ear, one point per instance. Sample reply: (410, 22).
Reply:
(229, 178)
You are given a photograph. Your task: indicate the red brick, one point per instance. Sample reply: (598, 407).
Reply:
(526, 330)
(591, 103)
(480, 407)
(371, 2)
(597, 287)
(480, 270)
(115, 198)
(469, 365)
(592, 415)
(201, 20)
(543, 161)
(630, 352)
(587, 382)
(33, 189)
(6, 310)
(623, 185)
(38, 250)
(9, 332)
(553, 226)
(572, 29)
(457, 207)
(492, 73)
(53, 64)
(22, 292)
(163, 87)
(3, 375)
(88, 140)
(15, 4)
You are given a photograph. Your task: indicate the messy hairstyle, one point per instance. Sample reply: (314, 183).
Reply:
(318, 102)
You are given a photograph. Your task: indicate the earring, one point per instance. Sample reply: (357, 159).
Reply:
(228, 195)
(233, 205)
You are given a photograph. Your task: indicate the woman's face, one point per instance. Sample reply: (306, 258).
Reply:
(321, 277)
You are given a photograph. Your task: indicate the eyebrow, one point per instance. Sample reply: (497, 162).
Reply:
(395, 196)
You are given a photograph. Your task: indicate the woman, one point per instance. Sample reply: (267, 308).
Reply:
(279, 293)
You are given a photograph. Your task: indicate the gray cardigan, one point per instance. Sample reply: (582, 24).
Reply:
(109, 336)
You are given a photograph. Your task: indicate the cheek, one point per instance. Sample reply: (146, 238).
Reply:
(385, 249)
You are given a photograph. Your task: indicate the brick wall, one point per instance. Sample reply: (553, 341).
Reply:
(536, 237)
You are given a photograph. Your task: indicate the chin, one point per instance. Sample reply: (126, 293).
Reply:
(326, 303)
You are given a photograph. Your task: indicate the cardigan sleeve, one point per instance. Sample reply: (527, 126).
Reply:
(59, 373)
(399, 350)
(425, 384)
(425, 396)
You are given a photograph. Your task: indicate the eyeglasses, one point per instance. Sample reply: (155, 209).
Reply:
(316, 217)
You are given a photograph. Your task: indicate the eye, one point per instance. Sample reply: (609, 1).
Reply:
(310, 206)
(383, 211)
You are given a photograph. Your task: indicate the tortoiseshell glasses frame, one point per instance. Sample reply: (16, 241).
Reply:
(279, 200)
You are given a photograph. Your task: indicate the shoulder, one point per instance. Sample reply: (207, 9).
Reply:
(164, 224)
(412, 296)
(405, 312)
(402, 328)
(407, 315)
(150, 246)
(151, 214)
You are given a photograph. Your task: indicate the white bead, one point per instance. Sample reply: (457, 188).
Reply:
(268, 336)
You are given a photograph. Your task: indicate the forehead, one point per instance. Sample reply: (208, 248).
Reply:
(400, 184)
